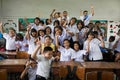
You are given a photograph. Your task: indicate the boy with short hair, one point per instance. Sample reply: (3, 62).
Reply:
(44, 62)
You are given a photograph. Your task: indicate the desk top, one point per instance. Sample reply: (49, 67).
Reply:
(8, 53)
(101, 65)
(65, 63)
(13, 62)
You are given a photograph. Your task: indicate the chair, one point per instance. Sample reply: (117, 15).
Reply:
(100, 75)
(79, 72)
(22, 55)
(3, 74)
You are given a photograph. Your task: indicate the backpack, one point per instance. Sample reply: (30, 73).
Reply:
(71, 74)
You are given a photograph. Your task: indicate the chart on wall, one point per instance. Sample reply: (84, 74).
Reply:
(9, 22)
(113, 27)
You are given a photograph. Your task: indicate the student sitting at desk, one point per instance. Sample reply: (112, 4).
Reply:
(30, 70)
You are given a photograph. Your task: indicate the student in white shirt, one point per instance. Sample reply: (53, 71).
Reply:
(92, 49)
(30, 70)
(10, 38)
(66, 51)
(48, 32)
(79, 55)
(62, 34)
(41, 35)
(20, 43)
(72, 29)
(85, 17)
(44, 62)
(65, 16)
(31, 36)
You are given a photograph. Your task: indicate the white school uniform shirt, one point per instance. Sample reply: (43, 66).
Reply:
(118, 46)
(31, 45)
(66, 54)
(37, 27)
(73, 29)
(21, 43)
(86, 21)
(32, 73)
(66, 18)
(44, 65)
(78, 55)
(96, 41)
(42, 39)
(94, 53)
(10, 42)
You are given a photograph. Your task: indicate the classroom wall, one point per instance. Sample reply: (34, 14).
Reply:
(104, 9)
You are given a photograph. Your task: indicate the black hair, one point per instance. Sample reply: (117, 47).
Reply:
(64, 11)
(46, 49)
(56, 21)
(59, 27)
(48, 37)
(82, 23)
(46, 21)
(40, 31)
(95, 32)
(111, 38)
(66, 40)
(37, 19)
(11, 28)
(42, 22)
(47, 28)
(91, 33)
(74, 19)
(85, 11)
(76, 42)
(33, 30)
(19, 37)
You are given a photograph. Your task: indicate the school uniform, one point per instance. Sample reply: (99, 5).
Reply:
(66, 54)
(78, 55)
(32, 73)
(31, 45)
(73, 29)
(43, 68)
(96, 41)
(118, 46)
(86, 19)
(94, 53)
(10, 42)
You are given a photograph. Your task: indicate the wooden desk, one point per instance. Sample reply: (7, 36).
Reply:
(56, 69)
(13, 65)
(9, 55)
(101, 66)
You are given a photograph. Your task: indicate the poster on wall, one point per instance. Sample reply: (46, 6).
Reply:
(103, 27)
(7, 23)
(113, 27)
(23, 23)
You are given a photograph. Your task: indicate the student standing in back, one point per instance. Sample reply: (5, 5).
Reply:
(10, 38)
(86, 17)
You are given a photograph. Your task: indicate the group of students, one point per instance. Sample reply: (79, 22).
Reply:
(68, 39)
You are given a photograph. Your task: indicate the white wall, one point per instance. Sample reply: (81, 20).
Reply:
(104, 9)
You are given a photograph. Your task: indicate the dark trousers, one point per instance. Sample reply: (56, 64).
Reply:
(40, 77)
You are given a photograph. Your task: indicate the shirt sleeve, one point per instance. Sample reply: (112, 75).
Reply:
(5, 35)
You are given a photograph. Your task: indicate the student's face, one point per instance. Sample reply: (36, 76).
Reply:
(49, 21)
(85, 13)
(56, 15)
(72, 21)
(48, 54)
(34, 34)
(79, 26)
(11, 33)
(37, 21)
(47, 40)
(65, 14)
(33, 64)
(76, 47)
(66, 44)
(41, 33)
(90, 37)
(48, 30)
